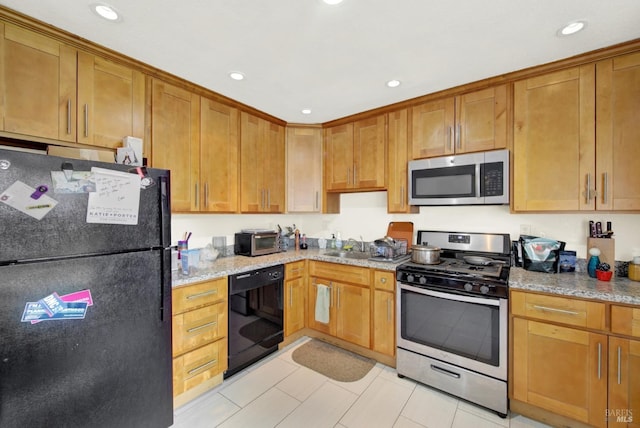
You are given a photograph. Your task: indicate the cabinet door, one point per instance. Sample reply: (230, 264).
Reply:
(618, 133)
(219, 157)
(329, 328)
(397, 159)
(304, 169)
(274, 172)
(295, 292)
(481, 120)
(252, 193)
(369, 153)
(432, 132)
(352, 314)
(554, 141)
(338, 166)
(175, 132)
(624, 383)
(111, 102)
(384, 332)
(38, 85)
(560, 369)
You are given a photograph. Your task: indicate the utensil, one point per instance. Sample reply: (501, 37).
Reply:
(425, 255)
(481, 261)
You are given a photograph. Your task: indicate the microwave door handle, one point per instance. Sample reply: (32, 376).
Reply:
(477, 180)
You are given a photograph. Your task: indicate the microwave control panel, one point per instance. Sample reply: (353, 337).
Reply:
(493, 182)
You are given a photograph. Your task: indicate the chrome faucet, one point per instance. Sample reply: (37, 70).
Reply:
(358, 243)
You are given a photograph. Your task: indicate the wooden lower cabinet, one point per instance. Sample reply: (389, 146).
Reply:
(295, 291)
(562, 366)
(200, 323)
(384, 314)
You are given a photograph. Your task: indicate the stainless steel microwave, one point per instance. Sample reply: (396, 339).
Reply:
(256, 242)
(469, 179)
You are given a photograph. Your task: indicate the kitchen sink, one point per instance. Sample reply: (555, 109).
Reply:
(349, 255)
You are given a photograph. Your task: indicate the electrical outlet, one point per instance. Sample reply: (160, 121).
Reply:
(525, 229)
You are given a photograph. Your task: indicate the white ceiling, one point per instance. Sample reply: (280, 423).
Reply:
(335, 60)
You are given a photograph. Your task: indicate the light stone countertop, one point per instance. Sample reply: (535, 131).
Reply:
(578, 284)
(237, 264)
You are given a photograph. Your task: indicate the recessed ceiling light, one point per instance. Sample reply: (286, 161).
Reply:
(236, 75)
(332, 1)
(572, 28)
(105, 11)
(393, 83)
(306, 111)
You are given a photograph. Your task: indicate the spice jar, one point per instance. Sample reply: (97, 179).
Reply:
(634, 269)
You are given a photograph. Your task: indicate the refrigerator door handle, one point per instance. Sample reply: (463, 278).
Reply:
(165, 212)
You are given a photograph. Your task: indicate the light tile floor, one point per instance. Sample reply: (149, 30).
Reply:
(278, 392)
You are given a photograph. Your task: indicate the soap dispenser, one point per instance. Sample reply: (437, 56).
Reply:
(338, 241)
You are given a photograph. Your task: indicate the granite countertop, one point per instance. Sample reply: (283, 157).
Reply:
(237, 264)
(576, 284)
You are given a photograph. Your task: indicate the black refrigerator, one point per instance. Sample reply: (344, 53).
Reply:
(85, 306)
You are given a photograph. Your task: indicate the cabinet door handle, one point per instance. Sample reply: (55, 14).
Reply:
(199, 295)
(560, 311)
(383, 280)
(200, 327)
(338, 297)
(268, 207)
(196, 194)
(69, 116)
(317, 206)
(402, 196)
(355, 176)
(599, 360)
(587, 193)
(605, 190)
(348, 176)
(86, 120)
(388, 310)
(459, 131)
(206, 194)
(450, 138)
(619, 366)
(200, 367)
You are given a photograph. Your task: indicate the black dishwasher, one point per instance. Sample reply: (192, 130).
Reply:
(255, 316)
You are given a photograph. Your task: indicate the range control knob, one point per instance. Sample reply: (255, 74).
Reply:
(423, 280)
(468, 286)
(410, 278)
(484, 289)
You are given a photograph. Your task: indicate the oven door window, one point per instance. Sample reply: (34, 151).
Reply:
(467, 329)
(449, 182)
(265, 243)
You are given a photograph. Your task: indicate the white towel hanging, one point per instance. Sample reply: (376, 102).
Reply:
(322, 303)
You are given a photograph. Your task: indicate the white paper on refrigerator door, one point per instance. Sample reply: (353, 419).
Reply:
(116, 199)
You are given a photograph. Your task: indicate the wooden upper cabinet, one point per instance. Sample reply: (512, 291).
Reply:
(397, 159)
(554, 141)
(219, 156)
(37, 85)
(175, 132)
(262, 171)
(370, 153)
(471, 122)
(111, 102)
(617, 179)
(338, 165)
(304, 169)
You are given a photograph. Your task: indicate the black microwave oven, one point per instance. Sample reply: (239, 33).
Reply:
(469, 179)
(256, 243)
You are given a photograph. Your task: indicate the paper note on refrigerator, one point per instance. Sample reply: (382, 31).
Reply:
(116, 199)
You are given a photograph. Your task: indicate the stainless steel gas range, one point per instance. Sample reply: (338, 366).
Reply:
(452, 317)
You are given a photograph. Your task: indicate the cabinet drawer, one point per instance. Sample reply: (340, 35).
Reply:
(562, 310)
(195, 367)
(340, 272)
(384, 280)
(198, 327)
(294, 270)
(625, 320)
(194, 296)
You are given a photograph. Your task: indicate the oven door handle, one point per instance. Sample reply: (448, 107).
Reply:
(488, 301)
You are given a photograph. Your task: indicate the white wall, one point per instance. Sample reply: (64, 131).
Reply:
(365, 214)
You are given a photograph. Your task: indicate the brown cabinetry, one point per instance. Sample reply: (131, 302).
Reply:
(199, 338)
(304, 169)
(350, 300)
(566, 362)
(593, 161)
(384, 321)
(397, 160)
(355, 155)
(295, 291)
(471, 122)
(262, 169)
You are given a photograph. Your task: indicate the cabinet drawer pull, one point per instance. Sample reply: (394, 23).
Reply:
(206, 293)
(207, 364)
(383, 280)
(200, 327)
(560, 311)
(599, 360)
(291, 297)
(619, 366)
(445, 372)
